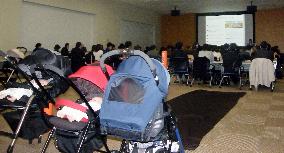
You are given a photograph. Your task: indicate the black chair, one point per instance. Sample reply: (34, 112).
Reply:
(180, 67)
(202, 70)
(232, 65)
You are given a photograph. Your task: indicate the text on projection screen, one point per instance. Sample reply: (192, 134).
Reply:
(225, 29)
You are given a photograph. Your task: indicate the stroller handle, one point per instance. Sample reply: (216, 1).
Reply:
(128, 53)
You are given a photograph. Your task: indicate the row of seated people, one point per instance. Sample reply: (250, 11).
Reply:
(231, 57)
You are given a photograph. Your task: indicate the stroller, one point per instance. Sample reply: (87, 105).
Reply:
(83, 134)
(134, 109)
(26, 118)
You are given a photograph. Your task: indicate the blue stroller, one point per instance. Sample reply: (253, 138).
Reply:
(134, 108)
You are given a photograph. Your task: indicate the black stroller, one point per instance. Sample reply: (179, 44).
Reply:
(26, 118)
(134, 109)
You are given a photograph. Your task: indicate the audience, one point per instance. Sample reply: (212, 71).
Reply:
(77, 57)
(65, 50)
(128, 45)
(56, 50)
(98, 52)
(110, 47)
(264, 51)
(205, 52)
(37, 46)
(90, 58)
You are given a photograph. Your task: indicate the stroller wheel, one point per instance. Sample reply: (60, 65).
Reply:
(10, 149)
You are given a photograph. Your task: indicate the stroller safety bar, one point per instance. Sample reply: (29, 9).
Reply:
(128, 53)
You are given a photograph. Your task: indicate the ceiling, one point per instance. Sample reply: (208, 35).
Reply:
(203, 6)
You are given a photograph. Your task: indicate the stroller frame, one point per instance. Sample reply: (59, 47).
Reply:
(25, 108)
(87, 127)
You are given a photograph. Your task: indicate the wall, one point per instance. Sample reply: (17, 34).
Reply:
(109, 14)
(178, 28)
(269, 26)
(9, 23)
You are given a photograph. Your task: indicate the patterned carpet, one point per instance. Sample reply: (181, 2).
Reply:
(254, 125)
(199, 111)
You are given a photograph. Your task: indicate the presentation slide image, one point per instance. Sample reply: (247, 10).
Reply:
(225, 29)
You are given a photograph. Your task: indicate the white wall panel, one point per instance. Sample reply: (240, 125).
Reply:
(139, 33)
(51, 25)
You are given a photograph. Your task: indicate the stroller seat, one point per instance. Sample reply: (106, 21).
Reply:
(66, 125)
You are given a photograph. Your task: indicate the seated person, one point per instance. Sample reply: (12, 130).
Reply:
(217, 56)
(206, 53)
(264, 51)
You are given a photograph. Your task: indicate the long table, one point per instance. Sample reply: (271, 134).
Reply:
(246, 65)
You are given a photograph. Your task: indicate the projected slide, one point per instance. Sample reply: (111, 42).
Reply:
(225, 29)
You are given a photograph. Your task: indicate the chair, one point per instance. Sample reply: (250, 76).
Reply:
(231, 67)
(201, 70)
(180, 67)
(262, 72)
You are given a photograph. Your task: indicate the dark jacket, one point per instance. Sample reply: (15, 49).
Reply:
(77, 59)
(263, 53)
(64, 51)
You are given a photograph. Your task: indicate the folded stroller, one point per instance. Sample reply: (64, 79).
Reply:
(82, 135)
(134, 109)
(26, 118)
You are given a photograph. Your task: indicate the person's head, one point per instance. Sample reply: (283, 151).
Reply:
(170, 48)
(195, 45)
(121, 46)
(84, 49)
(78, 45)
(94, 48)
(38, 45)
(128, 44)
(97, 48)
(250, 41)
(137, 47)
(66, 45)
(56, 47)
(152, 47)
(101, 47)
(263, 45)
(179, 45)
(109, 45)
(233, 46)
(275, 49)
(113, 47)
(163, 49)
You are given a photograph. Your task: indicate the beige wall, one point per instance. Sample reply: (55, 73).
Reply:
(269, 26)
(109, 14)
(9, 23)
(178, 28)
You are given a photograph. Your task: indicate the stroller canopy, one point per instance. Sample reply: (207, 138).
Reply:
(132, 95)
(93, 74)
(45, 57)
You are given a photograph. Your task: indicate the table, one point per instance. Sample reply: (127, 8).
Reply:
(245, 64)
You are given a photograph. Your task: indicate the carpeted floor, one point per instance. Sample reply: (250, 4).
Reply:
(198, 112)
(255, 124)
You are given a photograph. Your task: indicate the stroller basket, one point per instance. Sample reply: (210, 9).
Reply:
(151, 131)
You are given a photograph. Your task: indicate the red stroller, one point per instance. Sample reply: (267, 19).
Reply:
(82, 133)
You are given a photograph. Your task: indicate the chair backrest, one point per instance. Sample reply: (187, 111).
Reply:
(180, 64)
(230, 61)
(201, 67)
